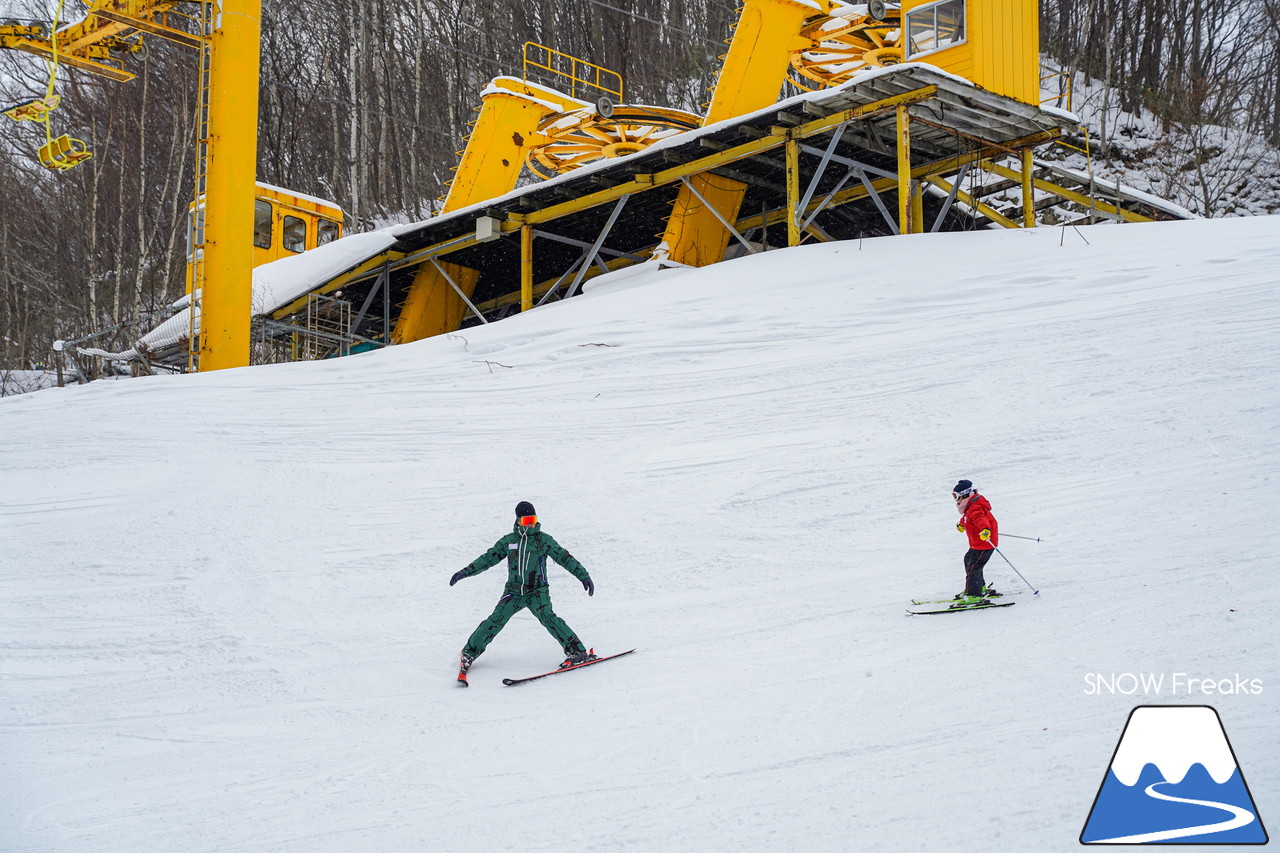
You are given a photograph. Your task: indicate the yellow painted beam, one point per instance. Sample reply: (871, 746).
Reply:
(169, 33)
(365, 269)
(642, 182)
(919, 173)
(226, 301)
(526, 267)
(981, 206)
(904, 170)
(924, 171)
(1028, 191)
(1071, 195)
(793, 192)
(43, 51)
(917, 207)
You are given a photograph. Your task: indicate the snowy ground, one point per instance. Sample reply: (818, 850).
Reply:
(226, 625)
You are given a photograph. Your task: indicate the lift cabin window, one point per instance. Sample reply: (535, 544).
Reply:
(295, 234)
(326, 232)
(935, 27)
(262, 224)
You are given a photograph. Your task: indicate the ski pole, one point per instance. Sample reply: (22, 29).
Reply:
(1034, 591)
(1028, 538)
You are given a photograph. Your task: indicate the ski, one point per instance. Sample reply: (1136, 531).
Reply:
(510, 681)
(963, 608)
(952, 600)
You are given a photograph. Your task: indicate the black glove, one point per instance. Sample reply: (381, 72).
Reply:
(458, 575)
(589, 586)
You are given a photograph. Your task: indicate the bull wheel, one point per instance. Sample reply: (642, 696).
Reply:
(840, 48)
(574, 139)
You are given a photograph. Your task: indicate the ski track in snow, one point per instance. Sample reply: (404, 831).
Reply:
(225, 623)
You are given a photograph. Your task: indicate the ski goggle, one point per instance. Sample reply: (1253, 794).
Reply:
(962, 495)
(528, 520)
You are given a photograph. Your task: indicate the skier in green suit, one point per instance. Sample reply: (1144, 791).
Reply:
(526, 549)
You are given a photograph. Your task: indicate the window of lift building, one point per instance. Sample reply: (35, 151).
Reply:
(326, 232)
(936, 26)
(295, 234)
(262, 224)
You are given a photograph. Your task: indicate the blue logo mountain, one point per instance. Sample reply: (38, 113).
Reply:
(1173, 780)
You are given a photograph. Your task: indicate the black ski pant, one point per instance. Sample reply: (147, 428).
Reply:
(974, 562)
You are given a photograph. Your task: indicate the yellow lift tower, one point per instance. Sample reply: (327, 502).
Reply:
(902, 106)
(523, 123)
(226, 33)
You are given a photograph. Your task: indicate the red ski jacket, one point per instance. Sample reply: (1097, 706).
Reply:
(976, 518)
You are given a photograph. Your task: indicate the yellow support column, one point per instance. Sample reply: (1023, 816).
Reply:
(793, 192)
(510, 112)
(904, 171)
(433, 307)
(226, 300)
(1028, 191)
(526, 267)
(751, 77)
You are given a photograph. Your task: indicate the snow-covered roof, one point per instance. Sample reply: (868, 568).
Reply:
(280, 282)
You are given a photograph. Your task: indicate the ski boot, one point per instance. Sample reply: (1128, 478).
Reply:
(963, 601)
(463, 666)
(579, 658)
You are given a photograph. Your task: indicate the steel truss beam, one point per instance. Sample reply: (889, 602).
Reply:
(924, 171)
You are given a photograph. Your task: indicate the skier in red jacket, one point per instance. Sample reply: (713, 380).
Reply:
(980, 525)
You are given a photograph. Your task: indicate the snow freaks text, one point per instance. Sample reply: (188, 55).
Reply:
(1171, 684)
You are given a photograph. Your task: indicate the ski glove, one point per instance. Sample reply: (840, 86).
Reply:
(458, 575)
(960, 526)
(984, 535)
(589, 586)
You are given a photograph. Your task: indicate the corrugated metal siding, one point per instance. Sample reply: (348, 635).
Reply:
(1007, 47)
(1002, 53)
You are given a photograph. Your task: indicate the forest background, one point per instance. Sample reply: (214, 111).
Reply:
(367, 102)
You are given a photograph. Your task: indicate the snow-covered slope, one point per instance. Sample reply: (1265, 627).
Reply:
(226, 625)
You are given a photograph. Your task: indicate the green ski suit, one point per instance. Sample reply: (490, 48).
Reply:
(526, 550)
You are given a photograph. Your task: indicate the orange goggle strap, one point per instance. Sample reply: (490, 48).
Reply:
(528, 520)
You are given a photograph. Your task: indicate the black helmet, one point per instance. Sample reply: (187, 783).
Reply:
(963, 489)
(525, 508)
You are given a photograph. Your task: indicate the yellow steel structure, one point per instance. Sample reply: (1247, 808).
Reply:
(994, 43)
(843, 43)
(510, 113)
(112, 29)
(225, 297)
(767, 34)
(523, 123)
